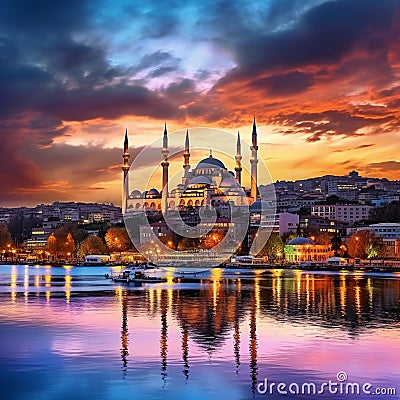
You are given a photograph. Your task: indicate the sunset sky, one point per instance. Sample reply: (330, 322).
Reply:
(321, 77)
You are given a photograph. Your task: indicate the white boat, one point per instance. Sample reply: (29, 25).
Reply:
(128, 275)
(247, 262)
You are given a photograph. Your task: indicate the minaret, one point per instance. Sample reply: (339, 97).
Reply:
(253, 162)
(125, 169)
(186, 154)
(165, 164)
(238, 158)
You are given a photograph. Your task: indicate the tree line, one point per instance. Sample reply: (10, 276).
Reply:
(70, 241)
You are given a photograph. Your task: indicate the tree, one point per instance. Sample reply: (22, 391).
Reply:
(5, 236)
(188, 243)
(21, 227)
(288, 236)
(323, 238)
(92, 245)
(363, 244)
(69, 246)
(273, 249)
(61, 242)
(211, 240)
(52, 244)
(318, 236)
(387, 213)
(78, 234)
(117, 239)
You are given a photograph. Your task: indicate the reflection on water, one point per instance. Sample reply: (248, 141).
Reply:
(124, 335)
(214, 337)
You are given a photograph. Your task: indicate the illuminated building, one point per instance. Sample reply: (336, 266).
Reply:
(305, 250)
(209, 183)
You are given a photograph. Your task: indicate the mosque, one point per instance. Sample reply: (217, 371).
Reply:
(208, 184)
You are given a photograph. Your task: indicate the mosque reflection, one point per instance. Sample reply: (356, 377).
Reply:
(218, 308)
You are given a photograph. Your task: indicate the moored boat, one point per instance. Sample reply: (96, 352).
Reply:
(129, 275)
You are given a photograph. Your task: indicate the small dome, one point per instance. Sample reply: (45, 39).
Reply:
(259, 205)
(136, 194)
(210, 162)
(300, 241)
(152, 193)
(200, 180)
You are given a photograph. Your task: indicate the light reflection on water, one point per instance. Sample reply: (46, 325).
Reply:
(69, 333)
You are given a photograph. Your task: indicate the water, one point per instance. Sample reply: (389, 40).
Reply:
(68, 333)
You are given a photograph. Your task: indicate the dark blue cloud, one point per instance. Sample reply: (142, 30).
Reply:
(322, 35)
(285, 84)
(41, 18)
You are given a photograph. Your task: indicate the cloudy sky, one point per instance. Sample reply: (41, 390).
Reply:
(321, 77)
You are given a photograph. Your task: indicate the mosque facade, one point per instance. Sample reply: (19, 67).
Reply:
(209, 183)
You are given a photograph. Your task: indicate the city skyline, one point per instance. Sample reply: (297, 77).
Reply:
(321, 78)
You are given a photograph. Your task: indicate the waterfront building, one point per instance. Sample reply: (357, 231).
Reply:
(302, 249)
(38, 239)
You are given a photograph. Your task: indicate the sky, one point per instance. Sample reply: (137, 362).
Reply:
(321, 77)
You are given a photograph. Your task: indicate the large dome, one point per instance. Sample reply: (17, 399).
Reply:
(300, 241)
(210, 161)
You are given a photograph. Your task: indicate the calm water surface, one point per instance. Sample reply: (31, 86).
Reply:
(68, 333)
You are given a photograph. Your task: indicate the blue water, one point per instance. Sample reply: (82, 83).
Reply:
(68, 333)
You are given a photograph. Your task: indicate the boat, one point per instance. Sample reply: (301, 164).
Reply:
(181, 273)
(128, 275)
(248, 262)
(123, 276)
(141, 277)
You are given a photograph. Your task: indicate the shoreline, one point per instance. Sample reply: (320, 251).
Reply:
(383, 268)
